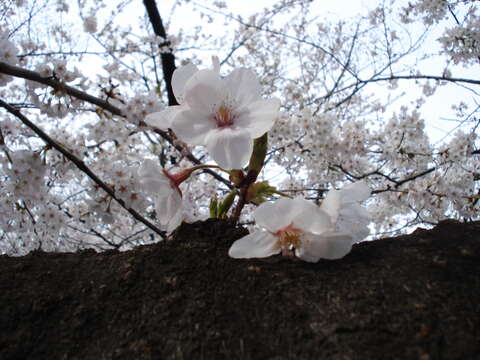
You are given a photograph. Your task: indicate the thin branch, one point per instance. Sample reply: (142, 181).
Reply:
(423, 77)
(58, 86)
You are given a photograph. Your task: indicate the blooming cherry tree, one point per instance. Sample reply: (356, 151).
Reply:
(106, 143)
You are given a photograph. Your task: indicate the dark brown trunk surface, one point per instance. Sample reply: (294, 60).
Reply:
(411, 297)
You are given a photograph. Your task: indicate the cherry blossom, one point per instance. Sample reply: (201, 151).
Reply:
(347, 215)
(8, 55)
(223, 114)
(163, 187)
(311, 233)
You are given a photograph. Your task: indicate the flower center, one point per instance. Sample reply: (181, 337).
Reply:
(224, 117)
(289, 239)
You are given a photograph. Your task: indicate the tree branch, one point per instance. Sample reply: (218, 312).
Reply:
(58, 85)
(168, 59)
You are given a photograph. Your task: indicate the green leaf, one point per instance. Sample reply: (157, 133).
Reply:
(226, 204)
(213, 207)
(259, 153)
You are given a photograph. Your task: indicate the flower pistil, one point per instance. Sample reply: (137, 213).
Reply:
(289, 239)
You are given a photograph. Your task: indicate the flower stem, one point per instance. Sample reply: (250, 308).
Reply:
(282, 194)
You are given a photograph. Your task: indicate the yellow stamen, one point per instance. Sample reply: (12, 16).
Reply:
(289, 239)
(224, 117)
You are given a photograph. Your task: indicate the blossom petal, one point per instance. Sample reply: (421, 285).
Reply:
(179, 78)
(311, 218)
(163, 119)
(258, 117)
(326, 246)
(169, 210)
(256, 245)
(204, 92)
(349, 194)
(354, 220)
(215, 64)
(192, 127)
(277, 215)
(267, 216)
(175, 221)
(231, 149)
(148, 168)
(346, 213)
(331, 204)
(244, 87)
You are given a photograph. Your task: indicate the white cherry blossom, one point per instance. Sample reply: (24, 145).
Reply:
(223, 114)
(310, 232)
(293, 226)
(345, 211)
(162, 186)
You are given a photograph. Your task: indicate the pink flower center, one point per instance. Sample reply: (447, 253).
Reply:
(224, 117)
(289, 239)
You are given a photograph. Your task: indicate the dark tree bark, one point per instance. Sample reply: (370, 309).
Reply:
(412, 297)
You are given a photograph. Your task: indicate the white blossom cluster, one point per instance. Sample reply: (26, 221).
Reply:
(8, 54)
(139, 106)
(462, 42)
(432, 11)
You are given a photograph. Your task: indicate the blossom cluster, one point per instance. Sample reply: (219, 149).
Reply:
(8, 55)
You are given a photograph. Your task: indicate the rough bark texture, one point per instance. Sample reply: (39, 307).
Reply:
(411, 297)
